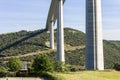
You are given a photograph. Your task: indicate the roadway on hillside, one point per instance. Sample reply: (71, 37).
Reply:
(67, 47)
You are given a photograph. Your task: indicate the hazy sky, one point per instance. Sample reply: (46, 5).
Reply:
(16, 15)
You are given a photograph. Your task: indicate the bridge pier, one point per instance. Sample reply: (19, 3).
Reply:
(52, 34)
(94, 42)
(60, 32)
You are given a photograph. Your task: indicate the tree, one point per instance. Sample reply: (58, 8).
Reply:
(14, 64)
(42, 63)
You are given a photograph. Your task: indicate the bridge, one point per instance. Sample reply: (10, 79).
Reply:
(94, 44)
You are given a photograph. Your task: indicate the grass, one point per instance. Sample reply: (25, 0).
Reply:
(91, 75)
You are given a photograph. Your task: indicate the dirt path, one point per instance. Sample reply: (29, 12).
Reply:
(45, 51)
(29, 54)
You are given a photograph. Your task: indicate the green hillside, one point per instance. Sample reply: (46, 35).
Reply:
(26, 45)
(111, 53)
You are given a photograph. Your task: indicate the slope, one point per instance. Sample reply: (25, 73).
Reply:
(28, 44)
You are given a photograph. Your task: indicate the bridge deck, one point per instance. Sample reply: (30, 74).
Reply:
(52, 13)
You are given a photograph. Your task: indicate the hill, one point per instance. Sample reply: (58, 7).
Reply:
(111, 53)
(27, 45)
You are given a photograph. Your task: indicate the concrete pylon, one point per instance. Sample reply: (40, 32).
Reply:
(94, 42)
(60, 32)
(52, 34)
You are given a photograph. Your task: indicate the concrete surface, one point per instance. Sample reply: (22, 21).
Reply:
(21, 78)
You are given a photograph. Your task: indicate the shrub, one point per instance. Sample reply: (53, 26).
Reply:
(42, 63)
(14, 64)
(60, 67)
(10, 74)
(2, 72)
(74, 68)
(117, 66)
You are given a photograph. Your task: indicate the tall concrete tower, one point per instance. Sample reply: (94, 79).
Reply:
(94, 42)
(60, 32)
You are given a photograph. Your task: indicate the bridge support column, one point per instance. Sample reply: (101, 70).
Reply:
(60, 32)
(52, 35)
(94, 42)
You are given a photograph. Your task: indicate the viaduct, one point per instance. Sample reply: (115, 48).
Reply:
(94, 59)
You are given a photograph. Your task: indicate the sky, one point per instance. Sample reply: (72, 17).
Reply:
(16, 15)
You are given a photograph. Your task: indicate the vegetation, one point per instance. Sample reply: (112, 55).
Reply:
(42, 63)
(2, 71)
(24, 42)
(75, 57)
(60, 67)
(37, 42)
(111, 53)
(14, 64)
(117, 66)
(43, 67)
(74, 37)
